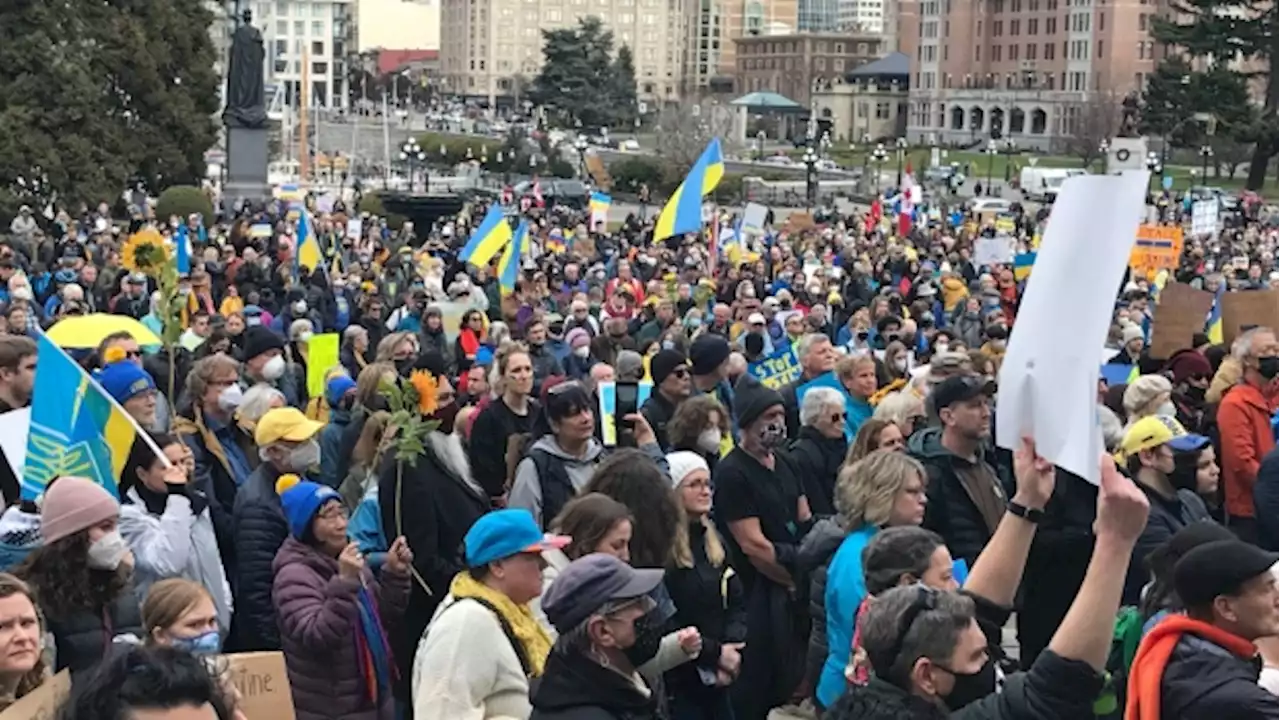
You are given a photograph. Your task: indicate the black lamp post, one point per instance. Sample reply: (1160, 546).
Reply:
(580, 144)
(760, 137)
(866, 146)
(1206, 152)
(1154, 165)
(991, 158)
(1104, 147)
(412, 155)
(810, 176)
(901, 146)
(879, 156)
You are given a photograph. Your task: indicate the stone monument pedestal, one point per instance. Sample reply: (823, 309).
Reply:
(247, 155)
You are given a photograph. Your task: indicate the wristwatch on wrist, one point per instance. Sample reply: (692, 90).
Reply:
(1031, 515)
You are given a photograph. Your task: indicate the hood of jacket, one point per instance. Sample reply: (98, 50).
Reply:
(878, 700)
(927, 443)
(547, 443)
(820, 543)
(572, 681)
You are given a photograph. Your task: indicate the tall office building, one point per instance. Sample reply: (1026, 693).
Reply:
(862, 15)
(710, 32)
(491, 49)
(819, 16)
(1029, 70)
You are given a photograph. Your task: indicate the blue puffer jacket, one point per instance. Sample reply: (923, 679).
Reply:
(331, 447)
(260, 530)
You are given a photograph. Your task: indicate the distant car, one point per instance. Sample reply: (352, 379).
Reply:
(778, 160)
(629, 145)
(570, 193)
(985, 204)
(943, 174)
(1226, 201)
(825, 164)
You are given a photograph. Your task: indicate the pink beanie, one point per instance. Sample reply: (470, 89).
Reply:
(73, 504)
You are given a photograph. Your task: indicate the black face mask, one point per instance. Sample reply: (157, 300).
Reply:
(971, 687)
(1195, 394)
(648, 636)
(405, 367)
(1269, 366)
(446, 416)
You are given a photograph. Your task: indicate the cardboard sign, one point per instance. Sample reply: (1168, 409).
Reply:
(1249, 307)
(1179, 315)
(263, 683)
(599, 173)
(42, 703)
(776, 370)
(1158, 248)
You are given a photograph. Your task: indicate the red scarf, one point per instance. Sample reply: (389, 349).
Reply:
(1153, 656)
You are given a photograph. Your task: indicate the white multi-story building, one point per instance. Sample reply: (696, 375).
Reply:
(866, 16)
(319, 33)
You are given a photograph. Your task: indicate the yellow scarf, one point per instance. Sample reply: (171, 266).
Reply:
(536, 642)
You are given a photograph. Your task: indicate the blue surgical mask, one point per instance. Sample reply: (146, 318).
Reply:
(209, 643)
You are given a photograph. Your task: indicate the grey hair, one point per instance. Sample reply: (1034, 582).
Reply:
(805, 346)
(257, 401)
(816, 401)
(1242, 346)
(933, 633)
(897, 407)
(352, 332)
(578, 638)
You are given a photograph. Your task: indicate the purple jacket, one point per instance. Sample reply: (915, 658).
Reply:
(319, 617)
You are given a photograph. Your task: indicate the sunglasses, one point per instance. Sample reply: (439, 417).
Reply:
(680, 372)
(838, 417)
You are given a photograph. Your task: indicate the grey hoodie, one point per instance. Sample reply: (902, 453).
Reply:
(526, 491)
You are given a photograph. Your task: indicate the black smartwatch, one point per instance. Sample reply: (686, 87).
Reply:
(1031, 515)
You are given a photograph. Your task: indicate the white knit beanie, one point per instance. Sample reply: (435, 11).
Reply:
(683, 462)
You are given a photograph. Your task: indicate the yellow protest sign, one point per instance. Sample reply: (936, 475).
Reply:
(322, 355)
(1158, 248)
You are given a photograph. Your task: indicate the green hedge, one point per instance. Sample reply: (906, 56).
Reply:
(372, 203)
(184, 200)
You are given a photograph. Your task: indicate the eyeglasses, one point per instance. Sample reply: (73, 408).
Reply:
(680, 372)
(134, 354)
(333, 512)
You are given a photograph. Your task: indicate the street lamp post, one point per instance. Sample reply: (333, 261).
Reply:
(760, 137)
(879, 156)
(991, 158)
(866, 155)
(901, 146)
(580, 144)
(1206, 152)
(810, 176)
(1104, 147)
(1155, 166)
(411, 154)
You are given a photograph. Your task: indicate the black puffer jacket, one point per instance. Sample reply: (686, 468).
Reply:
(817, 460)
(1167, 517)
(260, 531)
(816, 551)
(573, 687)
(1205, 682)
(951, 510)
(1054, 689)
(83, 639)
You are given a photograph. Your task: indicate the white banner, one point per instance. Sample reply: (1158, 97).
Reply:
(1204, 217)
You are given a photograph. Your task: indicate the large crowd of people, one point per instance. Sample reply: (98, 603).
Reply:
(807, 508)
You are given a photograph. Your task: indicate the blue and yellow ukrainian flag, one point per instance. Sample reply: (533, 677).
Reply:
(683, 212)
(599, 203)
(76, 428)
(488, 240)
(308, 253)
(509, 264)
(555, 241)
(1213, 323)
(1022, 264)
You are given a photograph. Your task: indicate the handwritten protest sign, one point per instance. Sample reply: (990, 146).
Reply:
(1179, 315)
(263, 683)
(1158, 248)
(1249, 307)
(776, 370)
(42, 703)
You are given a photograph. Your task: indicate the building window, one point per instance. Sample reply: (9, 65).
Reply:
(282, 27)
(882, 111)
(299, 28)
(1048, 51)
(1099, 48)
(1102, 21)
(1015, 5)
(1033, 26)
(995, 53)
(977, 53)
(1050, 25)
(319, 68)
(317, 47)
(1031, 51)
(1015, 27)
(282, 7)
(1013, 52)
(997, 28)
(317, 27)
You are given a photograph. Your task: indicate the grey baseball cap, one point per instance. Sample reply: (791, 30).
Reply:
(588, 583)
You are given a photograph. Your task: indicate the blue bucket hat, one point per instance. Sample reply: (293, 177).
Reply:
(504, 533)
(123, 380)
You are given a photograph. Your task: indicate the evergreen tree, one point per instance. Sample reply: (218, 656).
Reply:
(1227, 34)
(93, 94)
(578, 82)
(623, 89)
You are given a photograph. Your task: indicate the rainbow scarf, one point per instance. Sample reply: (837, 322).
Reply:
(373, 650)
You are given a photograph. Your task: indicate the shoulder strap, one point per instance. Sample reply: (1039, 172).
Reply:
(507, 630)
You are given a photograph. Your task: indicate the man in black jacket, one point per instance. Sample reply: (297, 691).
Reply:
(287, 443)
(671, 386)
(17, 379)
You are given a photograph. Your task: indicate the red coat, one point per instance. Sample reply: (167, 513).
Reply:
(1244, 426)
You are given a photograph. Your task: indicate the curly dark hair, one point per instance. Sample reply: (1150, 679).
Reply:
(63, 583)
(692, 417)
(634, 480)
(147, 678)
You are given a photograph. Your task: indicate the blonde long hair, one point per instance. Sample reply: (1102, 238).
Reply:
(682, 553)
(865, 489)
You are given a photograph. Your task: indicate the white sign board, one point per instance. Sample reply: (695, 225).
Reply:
(1204, 217)
(1049, 376)
(753, 217)
(993, 250)
(14, 427)
(355, 228)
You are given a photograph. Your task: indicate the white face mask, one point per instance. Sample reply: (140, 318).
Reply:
(900, 363)
(305, 456)
(709, 440)
(274, 369)
(305, 336)
(23, 293)
(108, 551)
(300, 307)
(583, 352)
(941, 348)
(230, 398)
(1167, 409)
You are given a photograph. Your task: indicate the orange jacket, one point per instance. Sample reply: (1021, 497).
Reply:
(1244, 425)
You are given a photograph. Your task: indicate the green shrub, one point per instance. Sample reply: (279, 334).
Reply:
(630, 173)
(183, 200)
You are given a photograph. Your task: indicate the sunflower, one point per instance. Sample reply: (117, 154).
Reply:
(425, 385)
(145, 252)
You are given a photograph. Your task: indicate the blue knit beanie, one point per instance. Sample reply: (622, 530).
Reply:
(301, 500)
(122, 380)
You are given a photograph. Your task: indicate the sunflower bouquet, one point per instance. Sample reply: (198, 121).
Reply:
(411, 402)
(145, 252)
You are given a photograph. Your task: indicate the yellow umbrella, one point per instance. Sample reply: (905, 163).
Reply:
(87, 331)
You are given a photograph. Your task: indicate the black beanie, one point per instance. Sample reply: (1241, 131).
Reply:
(751, 400)
(707, 353)
(258, 340)
(664, 363)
